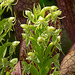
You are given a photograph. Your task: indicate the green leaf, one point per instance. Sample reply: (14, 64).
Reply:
(59, 46)
(24, 35)
(1, 65)
(48, 64)
(48, 49)
(11, 49)
(32, 27)
(30, 15)
(13, 46)
(42, 13)
(5, 52)
(14, 61)
(38, 9)
(26, 67)
(57, 31)
(3, 49)
(3, 70)
(1, 29)
(35, 45)
(55, 60)
(1, 38)
(34, 9)
(56, 56)
(56, 63)
(3, 21)
(1, 11)
(27, 41)
(54, 38)
(34, 71)
(48, 17)
(35, 13)
(4, 61)
(9, 7)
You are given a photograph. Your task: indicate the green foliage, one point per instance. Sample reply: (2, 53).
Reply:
(6, 3)
(34, 71)
(26, 67)
(44, 39)
(6, 25)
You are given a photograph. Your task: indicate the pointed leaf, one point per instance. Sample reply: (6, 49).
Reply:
(56, 63)
(48, 49)
(58, 31)
(3, 49)
(34, 71)
(54, 38)
(59, 46)
(56, 56)
(3, 70)
(1, 11)
(1, 29)
(35, 45)
(26, 67)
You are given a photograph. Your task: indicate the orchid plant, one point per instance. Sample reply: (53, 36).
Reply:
(43, 39)
(6, 25)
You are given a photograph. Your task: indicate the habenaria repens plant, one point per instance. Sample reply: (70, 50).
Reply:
(6, 25)
(37, 33)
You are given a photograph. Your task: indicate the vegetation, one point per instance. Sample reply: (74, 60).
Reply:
(43, 39)
(6, 25)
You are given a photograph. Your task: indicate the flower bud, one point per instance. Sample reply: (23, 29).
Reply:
(31, 54)
(25, 26)
(15, 43)
(50, 29)
(57, 13)
(54, 8)
(11, 19)
(40, 39)
(24, 35)
(27, 12)
(58, 38)
(14, 61)
(41, 19)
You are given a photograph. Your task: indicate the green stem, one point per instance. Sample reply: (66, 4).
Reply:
(42, 13)
(48, 17)
(3, 69)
